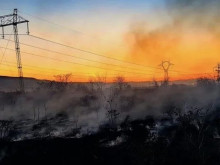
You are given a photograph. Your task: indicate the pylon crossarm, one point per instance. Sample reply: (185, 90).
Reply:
(4, 16)
(8, 20)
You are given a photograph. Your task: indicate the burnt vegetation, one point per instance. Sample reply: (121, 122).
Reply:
(111, 123)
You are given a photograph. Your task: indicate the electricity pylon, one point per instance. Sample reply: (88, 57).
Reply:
(217, 70)
(14, 19)
(166, 66)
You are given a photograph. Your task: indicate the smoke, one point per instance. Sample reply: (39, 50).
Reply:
(190, 28)
(81, 109)
(199, 13)
(150, 43)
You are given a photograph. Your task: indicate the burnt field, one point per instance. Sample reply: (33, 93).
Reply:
(102, 123)
(134, 143)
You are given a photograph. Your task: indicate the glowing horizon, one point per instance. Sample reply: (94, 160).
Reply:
(140, 32)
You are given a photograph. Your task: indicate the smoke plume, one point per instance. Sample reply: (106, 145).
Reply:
(190, 31)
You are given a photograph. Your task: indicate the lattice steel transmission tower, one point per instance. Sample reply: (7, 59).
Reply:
(166, 66)
(13, 20)
(217, 70)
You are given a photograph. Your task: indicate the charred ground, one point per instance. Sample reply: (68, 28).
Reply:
(100, 123)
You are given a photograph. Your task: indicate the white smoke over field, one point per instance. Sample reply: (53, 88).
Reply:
(82, 108)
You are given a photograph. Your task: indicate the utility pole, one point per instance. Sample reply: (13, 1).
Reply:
(166, 66)
(217, 70)
(14, 19)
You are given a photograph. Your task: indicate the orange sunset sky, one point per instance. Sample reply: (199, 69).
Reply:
(136, 34)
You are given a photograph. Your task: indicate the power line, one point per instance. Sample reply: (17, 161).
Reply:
(55, 59)
(38, 70)
(86, 51)
(76, 31)
(96, 61)
(62, 26)
(100, 62)
(82, 49)
(90, 52)
(3, 53)
(58, 70)
(74, 56)
(93, 54)
(5, 49)
(78, 48)
(73, 74)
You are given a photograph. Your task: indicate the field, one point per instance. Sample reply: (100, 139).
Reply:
(111, 123)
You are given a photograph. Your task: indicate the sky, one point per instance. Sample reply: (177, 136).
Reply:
(139, 34)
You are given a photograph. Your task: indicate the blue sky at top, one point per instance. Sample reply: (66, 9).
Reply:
(59, 6)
